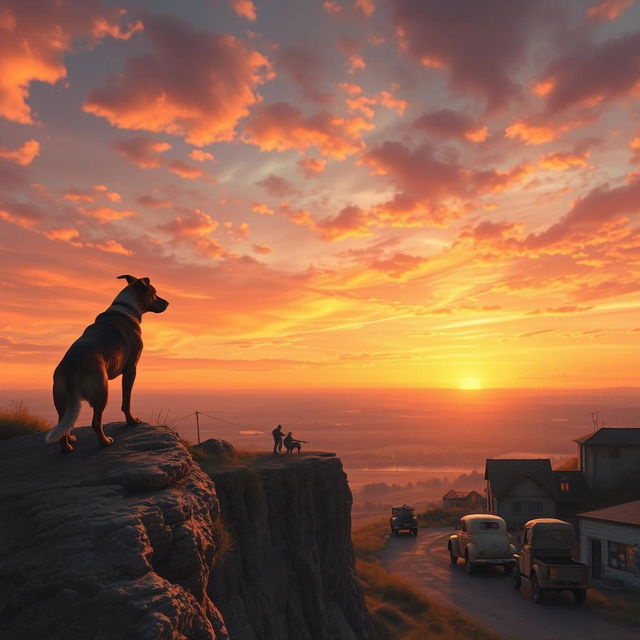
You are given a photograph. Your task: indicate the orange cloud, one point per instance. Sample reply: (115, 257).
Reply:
(34, 37)
(192, 228)
(532, 134)
(142, 151)
(399, 265)
(281, 126)
(22, 155)
(72, 237)
(562, 161)
(262, 249)
(609, 10)
(201, 156)
(201, 101)
(446, 123)
(331, 7)
(260, 207)
(75, 194)
(21, 214)
(184, 170)
(245, 9)
(350, 222)
(312, 166)
(106, 214)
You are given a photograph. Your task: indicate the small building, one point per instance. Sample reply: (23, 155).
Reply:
(463, 499)
(610, 542)
(607, 456)
(519, 490)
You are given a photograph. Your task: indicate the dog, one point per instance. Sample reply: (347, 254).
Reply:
(110, 347)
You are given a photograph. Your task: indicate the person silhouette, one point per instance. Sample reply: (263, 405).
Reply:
(277, 439)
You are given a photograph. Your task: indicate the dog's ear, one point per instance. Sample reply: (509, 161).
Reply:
(146, 281)
(129, 279)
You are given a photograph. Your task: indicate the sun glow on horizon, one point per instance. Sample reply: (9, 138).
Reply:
(470, 383)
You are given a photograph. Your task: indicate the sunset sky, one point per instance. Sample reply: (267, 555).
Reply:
(368, 193)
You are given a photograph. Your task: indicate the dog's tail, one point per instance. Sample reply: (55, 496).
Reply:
(69, 418)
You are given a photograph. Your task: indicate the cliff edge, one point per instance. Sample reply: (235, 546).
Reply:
(289, 574)
(106, 543)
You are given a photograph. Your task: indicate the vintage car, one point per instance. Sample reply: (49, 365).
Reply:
(403, 518)
(546, 561)
(482, 539)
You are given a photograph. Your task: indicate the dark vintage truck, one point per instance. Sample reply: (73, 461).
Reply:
(403, 518)
(546, 561)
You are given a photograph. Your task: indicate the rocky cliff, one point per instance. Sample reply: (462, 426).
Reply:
(289, 574)
(106, 543)
(120, 543)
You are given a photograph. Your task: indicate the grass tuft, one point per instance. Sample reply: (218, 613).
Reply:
(17, 420)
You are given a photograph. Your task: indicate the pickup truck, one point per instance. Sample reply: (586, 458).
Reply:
(403, 519)
(546, 563)
(481, 539)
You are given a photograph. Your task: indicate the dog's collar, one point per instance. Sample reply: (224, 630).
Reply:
(131, 308)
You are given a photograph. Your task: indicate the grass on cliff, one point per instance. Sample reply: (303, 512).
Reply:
(398, 609)
(17, 420)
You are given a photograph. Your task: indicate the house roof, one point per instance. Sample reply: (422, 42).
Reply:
(503, 474)
(456, 493)
(612, 437)
(627, 513)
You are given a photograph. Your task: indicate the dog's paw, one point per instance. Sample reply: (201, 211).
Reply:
(131, 421)
(106, 442)
(71, 437)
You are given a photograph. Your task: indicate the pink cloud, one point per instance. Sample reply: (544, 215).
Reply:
(277, 187)
(202, 100)
(593, 73)
(193, 228)
(399, 264)
(367, 7)
(36, 35)
(350, 222)
(245, 9)
(281, 126)
(331, 7)
(480, 45)
(147, 200)
(446, 123)
(22, 155)
(142, 150)
(22, 214)
(609, 10)
(306, 70)
(262, 249)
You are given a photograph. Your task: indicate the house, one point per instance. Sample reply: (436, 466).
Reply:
(610, 543)
(608, 455)
(520, 489)
(467, 499)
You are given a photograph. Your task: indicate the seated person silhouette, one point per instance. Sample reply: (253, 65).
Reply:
(291, 444)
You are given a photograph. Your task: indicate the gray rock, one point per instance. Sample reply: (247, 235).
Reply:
(216, 447)
(106, 543)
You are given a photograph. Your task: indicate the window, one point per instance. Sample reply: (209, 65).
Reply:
(517, 507)
(486, 526)
(535, 507)
(564, 483)
(624, 556)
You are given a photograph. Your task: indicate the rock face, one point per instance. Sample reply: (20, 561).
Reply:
(106, 543)
(289, 574)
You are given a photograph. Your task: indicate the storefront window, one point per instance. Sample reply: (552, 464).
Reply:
(624, 556)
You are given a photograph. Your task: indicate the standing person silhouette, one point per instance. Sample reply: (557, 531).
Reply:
(277, 439)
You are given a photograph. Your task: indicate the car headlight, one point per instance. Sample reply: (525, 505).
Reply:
(553, 574)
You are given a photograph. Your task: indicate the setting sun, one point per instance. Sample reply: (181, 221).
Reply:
(470, 383)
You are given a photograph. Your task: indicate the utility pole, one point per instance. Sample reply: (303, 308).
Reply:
(198, 425)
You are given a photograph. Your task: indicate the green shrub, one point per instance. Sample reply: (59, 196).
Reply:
(17, 420)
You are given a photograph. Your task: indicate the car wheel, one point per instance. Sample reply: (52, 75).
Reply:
(508, 568)
(580, 595)
(517, 580)
(536, 592)
(452, 556)
(468, 565)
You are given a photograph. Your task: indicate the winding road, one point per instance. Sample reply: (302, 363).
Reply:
(488, 597)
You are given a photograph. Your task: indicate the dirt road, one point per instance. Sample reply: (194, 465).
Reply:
(488, 597)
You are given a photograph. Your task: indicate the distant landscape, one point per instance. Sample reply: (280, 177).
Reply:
(397, 445)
